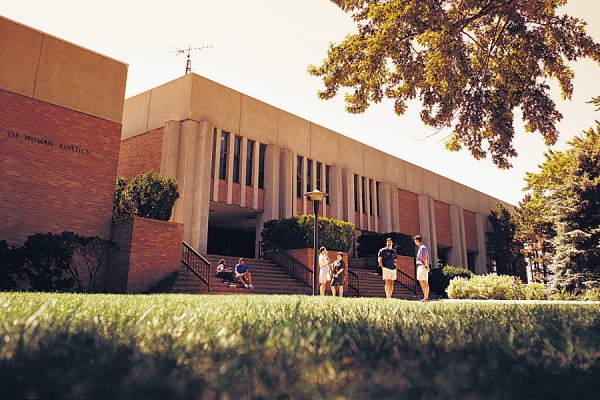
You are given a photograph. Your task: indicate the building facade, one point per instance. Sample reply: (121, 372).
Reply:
(60, 128)
(241, 162)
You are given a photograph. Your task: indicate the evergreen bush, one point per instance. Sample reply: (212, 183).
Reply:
(369, 243)
(297, 233)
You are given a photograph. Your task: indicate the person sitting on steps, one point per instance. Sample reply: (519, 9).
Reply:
(224, 272)
(242, 274)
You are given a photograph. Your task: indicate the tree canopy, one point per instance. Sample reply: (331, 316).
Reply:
(470, 63)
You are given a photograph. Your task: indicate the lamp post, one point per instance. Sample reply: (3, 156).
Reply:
(316, 196)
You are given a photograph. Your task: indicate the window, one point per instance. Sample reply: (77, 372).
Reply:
(371, 211)
(377, 202)
(319, 165)
(237, 148)
(309, 175)
(223, 155)
(364, 195)
(355, 192)
(327, 183)
(299, 177)
(261, 165)
(214, 150)
(249, 161)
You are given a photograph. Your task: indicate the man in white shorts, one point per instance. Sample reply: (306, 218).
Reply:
(423, 267)
(387, 261)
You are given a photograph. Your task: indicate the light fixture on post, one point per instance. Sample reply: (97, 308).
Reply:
(316, 196)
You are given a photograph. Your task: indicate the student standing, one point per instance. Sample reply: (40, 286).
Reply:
(337, 280)
(324, 270)
(387, 261)
(423, 267)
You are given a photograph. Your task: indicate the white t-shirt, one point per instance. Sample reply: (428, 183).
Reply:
(324, 261)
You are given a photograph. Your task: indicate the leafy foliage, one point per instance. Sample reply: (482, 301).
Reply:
(495, 287)
(47, 261)
(440, 278)
(469, 63)
(148, 195)
(281, 347)
(575, 203)
(297, 233)
(502, 245)
(10, 266)
(369, 243)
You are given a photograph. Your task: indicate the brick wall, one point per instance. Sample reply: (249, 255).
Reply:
(249, 196)
(442, 224)
(408, 212)
(57, 169)
(149, 250)
(406, 264)
(305, 257)
(471, 230)
(236, 194)
(222, 191)
(141, 153)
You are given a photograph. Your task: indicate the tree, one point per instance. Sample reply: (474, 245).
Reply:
(147, 195)
(469, 62)
(47, 259)
(10, 266)
(576, 206)
(501, 243)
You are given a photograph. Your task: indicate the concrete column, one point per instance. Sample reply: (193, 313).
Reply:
(395, 208)
(217, 140)
(427, 225)
(201, 201)
(287, 184)
(336, 197)
(186, 170)
(385, 207)
(348, 195)
(230, 168)
(243, 154)
(303, 185)
(271, 183)
(375, 205)
(481, 259)
(457, 254)
(361, 206)
(260, 221)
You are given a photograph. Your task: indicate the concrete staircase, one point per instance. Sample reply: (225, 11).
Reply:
(372, 285)
(267, 278)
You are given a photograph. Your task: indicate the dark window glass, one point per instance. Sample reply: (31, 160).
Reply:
(249, 161)
(364, 193)
(355, 192)
(261, 166)
(327, 183)
(299, 177)
(223, 155)
(377, 202)
(371, 210)
(308, 175)
(319, 176)
(237, 148)
(214, 150)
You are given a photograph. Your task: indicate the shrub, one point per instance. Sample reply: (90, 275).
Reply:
(369, 243)
(297, 233)
(147, 195)
(440, 278)
(495, 287)
(47, 259)
(10, 266)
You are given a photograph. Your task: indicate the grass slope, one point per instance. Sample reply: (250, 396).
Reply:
(180, 346)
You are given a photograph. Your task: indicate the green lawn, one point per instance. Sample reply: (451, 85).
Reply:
(180, 346)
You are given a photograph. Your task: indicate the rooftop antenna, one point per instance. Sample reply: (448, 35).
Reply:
(189, 50)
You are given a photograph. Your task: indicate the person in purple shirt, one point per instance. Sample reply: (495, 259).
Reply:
(242, 274)
(423, 267)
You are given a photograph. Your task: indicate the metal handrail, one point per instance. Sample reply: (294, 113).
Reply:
(195, 263)
(295, 268)
(406, 281)
(354, 282)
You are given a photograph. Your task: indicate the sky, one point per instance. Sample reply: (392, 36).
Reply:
(262, 48)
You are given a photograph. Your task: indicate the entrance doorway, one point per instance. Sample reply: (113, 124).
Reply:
(232, 230)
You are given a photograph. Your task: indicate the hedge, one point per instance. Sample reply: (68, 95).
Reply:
(495, 287)
(369, 243)
(297, 233)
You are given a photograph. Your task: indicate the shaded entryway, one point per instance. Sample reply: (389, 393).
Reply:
(232, 230)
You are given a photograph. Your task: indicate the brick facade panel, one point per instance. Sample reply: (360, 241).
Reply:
(236, 194)
(141, 153)
(408, 212)
(57, 169)
(442, 224)
(249, 196)
(471, 230)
